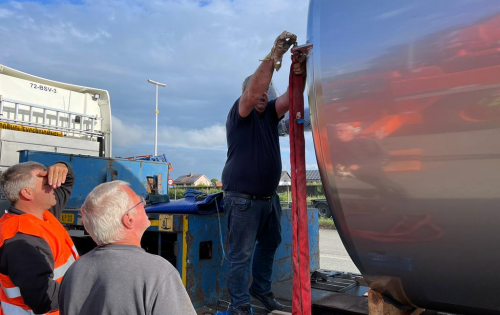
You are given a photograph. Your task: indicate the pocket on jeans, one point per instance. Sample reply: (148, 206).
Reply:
(241, 204)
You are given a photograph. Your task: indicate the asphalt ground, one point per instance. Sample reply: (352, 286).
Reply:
(332, 253)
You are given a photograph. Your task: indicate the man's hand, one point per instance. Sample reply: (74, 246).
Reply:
(281, 46)
(300, 67)
(56, 174)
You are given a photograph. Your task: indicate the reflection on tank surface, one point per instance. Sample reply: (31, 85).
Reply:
(405, 112)
(362, 158)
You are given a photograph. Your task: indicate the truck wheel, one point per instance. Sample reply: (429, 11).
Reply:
(324, 211)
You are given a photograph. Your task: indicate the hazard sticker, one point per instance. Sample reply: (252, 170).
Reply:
(166, 222)
(67, 218)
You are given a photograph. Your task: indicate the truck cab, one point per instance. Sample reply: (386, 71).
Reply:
(45, 115)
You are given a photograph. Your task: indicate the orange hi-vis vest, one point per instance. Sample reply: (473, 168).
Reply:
(60, 243)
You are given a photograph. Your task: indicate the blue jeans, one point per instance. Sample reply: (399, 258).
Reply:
(254, 228)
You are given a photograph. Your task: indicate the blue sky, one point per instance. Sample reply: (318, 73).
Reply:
(202, 50)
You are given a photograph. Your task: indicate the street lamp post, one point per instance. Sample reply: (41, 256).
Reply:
(156, 113)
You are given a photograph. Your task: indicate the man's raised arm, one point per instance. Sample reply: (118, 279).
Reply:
(261, 79)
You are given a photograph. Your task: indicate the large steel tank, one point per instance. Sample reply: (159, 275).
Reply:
(405, 111)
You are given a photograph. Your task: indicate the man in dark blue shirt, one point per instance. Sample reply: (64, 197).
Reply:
(250, 178)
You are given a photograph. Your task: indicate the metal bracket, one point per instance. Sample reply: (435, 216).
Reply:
(302, 49)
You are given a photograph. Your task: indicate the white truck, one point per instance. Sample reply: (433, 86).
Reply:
(45, 115)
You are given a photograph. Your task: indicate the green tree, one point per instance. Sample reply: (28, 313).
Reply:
(176, 193)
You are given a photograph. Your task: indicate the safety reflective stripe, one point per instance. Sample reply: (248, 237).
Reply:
(74, 250)
(61, 270)
(10, 309)
(12, 293)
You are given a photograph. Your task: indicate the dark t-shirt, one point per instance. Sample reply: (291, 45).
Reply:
(253, 163)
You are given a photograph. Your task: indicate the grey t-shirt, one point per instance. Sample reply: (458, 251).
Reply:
(123, 279)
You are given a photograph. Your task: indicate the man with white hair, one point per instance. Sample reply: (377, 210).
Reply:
(35, 249)
(118, 276)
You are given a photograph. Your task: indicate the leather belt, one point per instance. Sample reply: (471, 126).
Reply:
(245, 196)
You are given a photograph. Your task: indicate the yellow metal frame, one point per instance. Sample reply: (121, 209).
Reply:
(185, 227)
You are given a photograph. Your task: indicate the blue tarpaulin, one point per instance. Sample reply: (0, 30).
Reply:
(195, 202)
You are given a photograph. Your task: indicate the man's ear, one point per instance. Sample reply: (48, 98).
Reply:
(128, 220)
(26, 193)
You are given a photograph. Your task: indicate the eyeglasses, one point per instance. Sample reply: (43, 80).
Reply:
(143, 202)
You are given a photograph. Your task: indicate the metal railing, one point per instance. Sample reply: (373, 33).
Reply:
(46, 112)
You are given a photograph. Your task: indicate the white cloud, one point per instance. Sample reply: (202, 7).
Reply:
(128, 135)
(393, 13)
(16, 5)
(86, 37)
(125, 135)
(5, 13)
(212, 137)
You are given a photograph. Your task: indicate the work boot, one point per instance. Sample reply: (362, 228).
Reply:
(268, 300)
(242, 310)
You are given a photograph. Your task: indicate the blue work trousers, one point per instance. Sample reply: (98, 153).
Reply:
(254, 227)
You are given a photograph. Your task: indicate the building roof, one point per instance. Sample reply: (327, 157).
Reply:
(312, 175)
(284, 176)
(188, 179)
(285, 179)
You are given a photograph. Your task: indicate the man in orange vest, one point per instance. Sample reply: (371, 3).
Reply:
(35, 249)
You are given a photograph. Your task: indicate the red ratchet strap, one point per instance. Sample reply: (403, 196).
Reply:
(301, 292)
